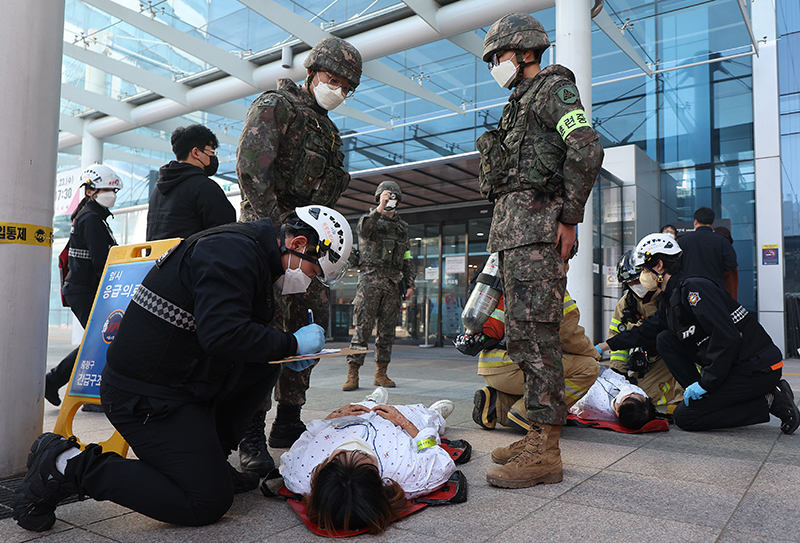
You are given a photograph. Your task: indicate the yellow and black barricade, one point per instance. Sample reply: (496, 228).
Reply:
(125, 269)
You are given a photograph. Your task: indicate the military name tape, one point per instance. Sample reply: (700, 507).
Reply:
(26, 234)
(571, 121)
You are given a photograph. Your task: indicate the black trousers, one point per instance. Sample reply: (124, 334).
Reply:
(182, 475)
(738, 401)
(81, 305)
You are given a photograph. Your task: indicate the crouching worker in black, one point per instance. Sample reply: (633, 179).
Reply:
(173, 385)
(699, 324)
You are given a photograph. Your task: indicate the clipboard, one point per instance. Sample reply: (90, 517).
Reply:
(322, 354)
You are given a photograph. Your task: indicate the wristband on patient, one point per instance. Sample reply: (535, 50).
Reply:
(425, 443)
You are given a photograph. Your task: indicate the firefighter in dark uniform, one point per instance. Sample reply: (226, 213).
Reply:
(90, 239)
(699, 325)
(176, 384)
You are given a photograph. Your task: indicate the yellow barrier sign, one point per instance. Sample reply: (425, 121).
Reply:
(126, 267)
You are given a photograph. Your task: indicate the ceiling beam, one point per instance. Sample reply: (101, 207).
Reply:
(748, 24)
(374, 69)
(211, 54)
(616, 35)
(170, 125)
(70, 124)
(99, 102)
(140, 141)
(427, 10)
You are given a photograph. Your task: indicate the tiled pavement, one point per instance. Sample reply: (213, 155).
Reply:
(740, 485)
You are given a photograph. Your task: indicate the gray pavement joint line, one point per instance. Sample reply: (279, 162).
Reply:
(749, 485)
(87, 530)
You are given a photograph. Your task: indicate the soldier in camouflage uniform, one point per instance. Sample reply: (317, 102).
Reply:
(385, 261)
(290, 155)
(538, 167)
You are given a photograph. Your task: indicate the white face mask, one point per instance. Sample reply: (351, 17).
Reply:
(293, 281)
(106, 199)
(328, 97)
(639, 289)
(648, 280)
(504, 73)
(357, 444)
(624, 392)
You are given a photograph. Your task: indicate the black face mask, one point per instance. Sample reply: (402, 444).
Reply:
(213, 164)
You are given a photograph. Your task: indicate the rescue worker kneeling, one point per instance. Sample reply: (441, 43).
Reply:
(699, 324)
(174, 385)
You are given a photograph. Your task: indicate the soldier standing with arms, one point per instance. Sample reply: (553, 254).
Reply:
(385, 261)
(538, 167)
(290, 155)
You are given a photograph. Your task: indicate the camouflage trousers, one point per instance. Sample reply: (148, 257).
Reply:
(534, 281)
(373, 303)
(291, 314)
(580, 373)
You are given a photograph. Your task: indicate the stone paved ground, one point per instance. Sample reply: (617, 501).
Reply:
(740, 485)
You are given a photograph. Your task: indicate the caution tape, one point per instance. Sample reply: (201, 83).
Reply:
(26, 234)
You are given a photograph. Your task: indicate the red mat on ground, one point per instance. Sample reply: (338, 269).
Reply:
(657, 425)
(453, 491)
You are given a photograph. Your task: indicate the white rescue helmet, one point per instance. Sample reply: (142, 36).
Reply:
(335, 239)
(100, 176)
(653, 245)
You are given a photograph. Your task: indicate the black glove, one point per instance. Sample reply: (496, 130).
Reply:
(637, 362)
(472, 345)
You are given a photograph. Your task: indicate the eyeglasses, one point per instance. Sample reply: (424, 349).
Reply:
(494, 61)
(336, 83)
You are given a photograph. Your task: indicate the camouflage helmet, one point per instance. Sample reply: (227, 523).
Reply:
(336, 56)
(390, 186)
(517, 31)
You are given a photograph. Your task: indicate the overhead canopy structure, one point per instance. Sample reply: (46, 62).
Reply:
(135, 70)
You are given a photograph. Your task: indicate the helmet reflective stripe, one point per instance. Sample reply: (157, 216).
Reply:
(335, 239)
(100, 176)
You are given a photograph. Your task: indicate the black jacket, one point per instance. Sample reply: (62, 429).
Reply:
(725, 336)
(90, 238)
(185, 202)
(706, 254)
(214, 299)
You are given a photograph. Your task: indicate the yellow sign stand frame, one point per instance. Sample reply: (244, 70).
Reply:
(121, 254)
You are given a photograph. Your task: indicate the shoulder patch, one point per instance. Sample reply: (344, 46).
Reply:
(568, 94)
(693, 298)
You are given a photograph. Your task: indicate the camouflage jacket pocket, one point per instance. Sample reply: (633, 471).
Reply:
(493, 160)
(549, 152)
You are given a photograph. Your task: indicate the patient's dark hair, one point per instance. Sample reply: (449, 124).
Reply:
(349, 495)
(635, 413)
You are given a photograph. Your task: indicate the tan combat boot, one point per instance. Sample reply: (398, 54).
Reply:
(539, 461)
(381, 379)
(501, 455)
(352, 377)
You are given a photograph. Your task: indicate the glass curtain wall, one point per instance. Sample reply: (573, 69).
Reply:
(789, 88)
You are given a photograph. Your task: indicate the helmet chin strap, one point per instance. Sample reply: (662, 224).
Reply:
(284, 249)
(521, 65)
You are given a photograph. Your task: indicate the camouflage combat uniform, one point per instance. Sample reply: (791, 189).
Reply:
(538, 167)
(579, 361)
(290, 155)
(658, 382)
(385, 260)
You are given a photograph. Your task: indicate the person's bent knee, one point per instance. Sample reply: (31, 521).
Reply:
(686, 419)
(210, 511)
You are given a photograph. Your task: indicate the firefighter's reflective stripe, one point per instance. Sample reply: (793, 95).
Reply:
(494, 358)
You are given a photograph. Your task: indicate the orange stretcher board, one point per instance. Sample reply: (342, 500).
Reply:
(125, 269)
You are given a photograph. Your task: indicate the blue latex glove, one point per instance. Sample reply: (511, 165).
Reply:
(300, 365)
(693, 392)
(310, 339)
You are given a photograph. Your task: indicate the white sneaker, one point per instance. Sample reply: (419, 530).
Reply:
(380, 396)
(444, 407)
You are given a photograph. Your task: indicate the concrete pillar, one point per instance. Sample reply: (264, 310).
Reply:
(574, 50)
(769, 193)
(31, 35)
